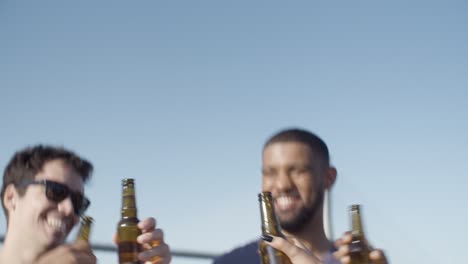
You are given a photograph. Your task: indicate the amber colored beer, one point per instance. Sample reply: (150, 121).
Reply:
(127, 229)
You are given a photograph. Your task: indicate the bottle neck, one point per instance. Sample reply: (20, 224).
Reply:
(85, 229)
(129, 208)
(356, 223)
(270, 223)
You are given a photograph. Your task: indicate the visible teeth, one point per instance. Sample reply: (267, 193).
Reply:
(284, 201)
(57, 224)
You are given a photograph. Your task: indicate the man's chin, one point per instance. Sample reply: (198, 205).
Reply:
(295, 221)
(54, 241)
(287, 217)
(289, 222)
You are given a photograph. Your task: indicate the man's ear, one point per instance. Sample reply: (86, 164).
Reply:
(330, 177)
(10, 197)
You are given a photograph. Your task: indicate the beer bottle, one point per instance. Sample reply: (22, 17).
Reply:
(127, 229)
(85, 228)
(358, 248)
(270, 226)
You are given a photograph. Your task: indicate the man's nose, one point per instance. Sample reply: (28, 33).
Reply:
(66, 206)
(284, 182)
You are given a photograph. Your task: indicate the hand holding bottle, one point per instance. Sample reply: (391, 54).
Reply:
(296, 254)
(353, 247)
(376, 256)
(154, 249)
(138, 241)
(152, 241)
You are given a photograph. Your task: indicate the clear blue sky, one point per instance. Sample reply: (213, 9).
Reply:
(181, 96)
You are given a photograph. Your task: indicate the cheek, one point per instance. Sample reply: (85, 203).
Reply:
(306, 189)
(40, 205)
(267, 184)
(29, 209)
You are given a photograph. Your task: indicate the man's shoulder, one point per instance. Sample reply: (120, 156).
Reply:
(246, 254)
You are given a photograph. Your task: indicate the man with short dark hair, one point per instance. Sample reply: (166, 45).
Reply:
(43, 198)
(296, 170)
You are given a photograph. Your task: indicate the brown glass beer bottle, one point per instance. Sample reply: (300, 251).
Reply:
(270, 226)
(359, 251)
(85, 228)
(127, 229)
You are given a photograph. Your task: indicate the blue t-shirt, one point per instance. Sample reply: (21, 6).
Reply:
(248, 254)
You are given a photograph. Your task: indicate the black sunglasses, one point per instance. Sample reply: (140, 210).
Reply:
(58, 192)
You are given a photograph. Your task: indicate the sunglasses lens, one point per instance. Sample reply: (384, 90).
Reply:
(56, 192)
(80, 203)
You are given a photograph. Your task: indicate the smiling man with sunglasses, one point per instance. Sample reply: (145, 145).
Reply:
(43, 198)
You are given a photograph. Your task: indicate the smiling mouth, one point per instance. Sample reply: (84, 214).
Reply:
(286, 202)
(57, 226)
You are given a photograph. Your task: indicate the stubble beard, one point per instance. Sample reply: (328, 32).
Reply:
(303, 217)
